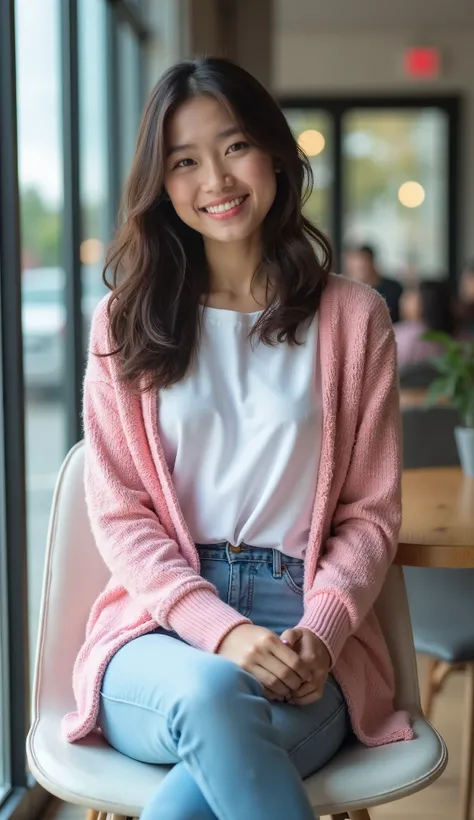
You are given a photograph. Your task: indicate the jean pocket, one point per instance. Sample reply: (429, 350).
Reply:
(294, 577)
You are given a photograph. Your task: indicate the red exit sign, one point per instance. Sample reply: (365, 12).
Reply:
(422, 63)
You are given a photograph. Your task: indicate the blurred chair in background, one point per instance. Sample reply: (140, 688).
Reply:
(441, 600)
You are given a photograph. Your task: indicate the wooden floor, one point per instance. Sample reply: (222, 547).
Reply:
(440, 801)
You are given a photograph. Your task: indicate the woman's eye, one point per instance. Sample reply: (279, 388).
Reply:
(184, 163)
(237, 146)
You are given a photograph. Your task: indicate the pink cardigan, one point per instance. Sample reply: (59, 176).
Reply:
(142, 536)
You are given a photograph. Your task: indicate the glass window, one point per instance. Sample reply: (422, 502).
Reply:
(43, 279)
(93, 146)
(129, 94)
(395, 193)
(313, 130)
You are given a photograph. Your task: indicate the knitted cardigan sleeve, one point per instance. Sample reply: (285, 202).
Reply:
(364, 534)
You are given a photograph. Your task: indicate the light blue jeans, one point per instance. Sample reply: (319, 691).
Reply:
(238, 755)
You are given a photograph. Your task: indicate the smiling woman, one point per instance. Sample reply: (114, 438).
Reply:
(217, 177)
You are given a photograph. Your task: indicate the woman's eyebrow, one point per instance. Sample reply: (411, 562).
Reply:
(228, 132)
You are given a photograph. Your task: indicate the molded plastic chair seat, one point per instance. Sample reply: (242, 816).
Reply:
(92, 774)
(358, 777)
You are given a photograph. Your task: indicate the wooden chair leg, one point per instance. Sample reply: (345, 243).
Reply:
(438, 671)
(429, 688)
(467, 764)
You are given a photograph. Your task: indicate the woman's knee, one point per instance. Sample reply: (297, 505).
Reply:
(217, 681)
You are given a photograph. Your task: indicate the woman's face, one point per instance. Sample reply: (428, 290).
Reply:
(218, 183)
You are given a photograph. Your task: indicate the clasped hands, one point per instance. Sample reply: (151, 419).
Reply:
(293, 667)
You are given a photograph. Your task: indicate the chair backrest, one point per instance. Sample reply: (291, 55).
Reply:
(75, 574)
(428, 437)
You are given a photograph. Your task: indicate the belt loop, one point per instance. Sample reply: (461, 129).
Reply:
(277, 564)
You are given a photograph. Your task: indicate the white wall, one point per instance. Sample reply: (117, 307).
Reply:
(312, 61)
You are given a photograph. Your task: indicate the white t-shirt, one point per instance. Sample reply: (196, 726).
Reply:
(242, 433)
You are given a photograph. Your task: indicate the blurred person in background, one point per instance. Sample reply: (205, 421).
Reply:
(360, 266)
(465, 307)
(427, 306)
(247, 540)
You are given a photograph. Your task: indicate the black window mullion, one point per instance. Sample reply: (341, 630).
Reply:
(72, 233)
(113, 117)
(13, 465)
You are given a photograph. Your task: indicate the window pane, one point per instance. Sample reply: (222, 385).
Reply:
(93, 145)
(43, 279)
(312, 128)
(395, 197)
(129, 94)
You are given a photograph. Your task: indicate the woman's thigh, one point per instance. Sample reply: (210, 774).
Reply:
(150, 675)
(142, 684)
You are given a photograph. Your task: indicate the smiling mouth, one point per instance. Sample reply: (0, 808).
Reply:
(225, 207)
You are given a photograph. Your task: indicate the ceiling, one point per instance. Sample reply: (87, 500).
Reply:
(332, 15)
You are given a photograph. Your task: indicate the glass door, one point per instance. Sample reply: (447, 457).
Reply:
(395, 188)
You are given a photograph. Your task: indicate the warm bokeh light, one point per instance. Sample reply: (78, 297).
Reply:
(92, 251)
(312, 142)
(411, 194)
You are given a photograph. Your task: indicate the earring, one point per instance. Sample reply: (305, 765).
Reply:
(277, 169)
(227, 180)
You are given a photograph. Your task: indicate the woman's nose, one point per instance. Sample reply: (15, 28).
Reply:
(216, 177)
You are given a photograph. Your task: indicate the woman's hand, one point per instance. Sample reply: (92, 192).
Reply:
(280, 669)
(311, 650)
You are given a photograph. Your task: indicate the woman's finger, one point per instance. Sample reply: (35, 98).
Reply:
(311, 697)
(269, 680)
(280, 671)
(288, 656)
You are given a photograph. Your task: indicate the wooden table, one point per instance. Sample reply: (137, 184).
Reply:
(438, 518)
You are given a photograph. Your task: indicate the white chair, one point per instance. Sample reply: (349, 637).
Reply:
(91, 774)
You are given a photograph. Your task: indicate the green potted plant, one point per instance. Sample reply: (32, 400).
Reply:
(455, 383)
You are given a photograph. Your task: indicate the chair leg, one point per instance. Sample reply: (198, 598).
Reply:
(438, 671)
(360, 814)
(467, 765)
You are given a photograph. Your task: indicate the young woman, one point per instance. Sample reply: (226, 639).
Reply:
(242, 469)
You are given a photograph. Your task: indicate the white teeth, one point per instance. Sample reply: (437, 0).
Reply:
(225, 206)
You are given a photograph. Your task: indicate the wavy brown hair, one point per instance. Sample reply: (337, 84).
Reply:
(157, 263)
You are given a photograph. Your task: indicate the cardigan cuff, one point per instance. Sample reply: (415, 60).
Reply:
(203, 620)
(327, 617)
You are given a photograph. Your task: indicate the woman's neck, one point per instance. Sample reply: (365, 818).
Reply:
(235, 279)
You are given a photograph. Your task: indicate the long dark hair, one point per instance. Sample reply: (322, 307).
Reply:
(157, 263)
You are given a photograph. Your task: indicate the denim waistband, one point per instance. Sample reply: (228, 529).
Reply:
(244, 552)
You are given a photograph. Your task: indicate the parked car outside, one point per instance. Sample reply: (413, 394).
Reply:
(44, 318)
